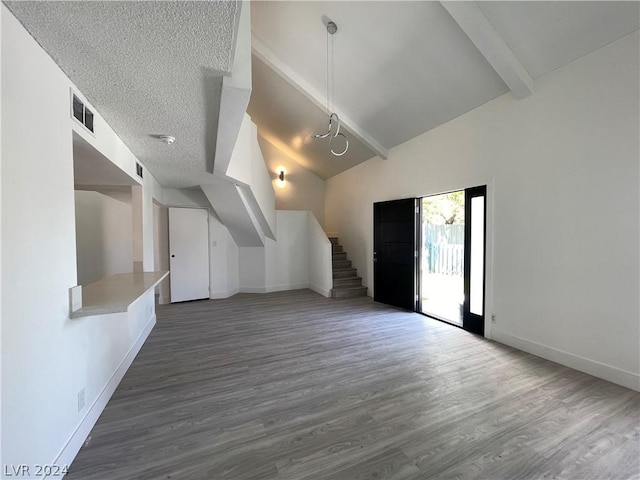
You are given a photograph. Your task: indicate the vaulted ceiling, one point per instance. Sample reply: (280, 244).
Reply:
(401, 68)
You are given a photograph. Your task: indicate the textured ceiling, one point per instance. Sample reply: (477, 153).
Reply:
(149, 68)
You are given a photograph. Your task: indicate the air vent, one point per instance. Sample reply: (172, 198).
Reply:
(82, 113)
(88, 119)
(139, 169)
(78, 109)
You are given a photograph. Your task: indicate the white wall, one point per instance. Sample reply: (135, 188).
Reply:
(46, 357)
(224, 260)
(223, 251)
(254, 214)
(161, 250)
(252, 269)
(562, 169)
(261, 187)
(239, 168)
(1, 206)
(291, 252)
(303, 190)
(104, 238)
(320, 258)
(281, 265)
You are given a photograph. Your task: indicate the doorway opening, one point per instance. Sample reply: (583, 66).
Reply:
(452, 257)
(442, 256)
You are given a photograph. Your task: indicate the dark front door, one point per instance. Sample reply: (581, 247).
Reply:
(394, 255)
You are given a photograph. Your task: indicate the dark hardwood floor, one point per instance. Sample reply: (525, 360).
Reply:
(295, 386)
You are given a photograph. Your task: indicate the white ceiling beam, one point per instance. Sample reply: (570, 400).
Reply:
(261, 51)
(477, 27)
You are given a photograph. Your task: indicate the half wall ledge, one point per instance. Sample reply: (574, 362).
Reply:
(113, 294)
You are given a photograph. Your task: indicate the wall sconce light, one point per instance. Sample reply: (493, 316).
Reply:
(280, 181)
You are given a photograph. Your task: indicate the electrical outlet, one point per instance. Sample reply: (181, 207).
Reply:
(81, 400)
(493, 318)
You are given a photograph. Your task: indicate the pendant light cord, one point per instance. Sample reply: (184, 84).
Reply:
(327, 58)
(334, 121)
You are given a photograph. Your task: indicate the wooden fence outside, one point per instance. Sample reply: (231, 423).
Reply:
(443, 249)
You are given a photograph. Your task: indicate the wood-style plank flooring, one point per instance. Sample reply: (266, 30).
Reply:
(295, 386)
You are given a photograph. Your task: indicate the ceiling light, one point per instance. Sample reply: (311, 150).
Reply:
(168, 139)
(333, 131)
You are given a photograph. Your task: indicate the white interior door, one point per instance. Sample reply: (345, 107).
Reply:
(189, 253)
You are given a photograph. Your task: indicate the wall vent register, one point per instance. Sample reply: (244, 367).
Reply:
(139, 169)
(82, 113)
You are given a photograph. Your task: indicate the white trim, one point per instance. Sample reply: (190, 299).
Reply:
(322, 291)
(78, 437)
(253, 290)
(592, 367)
(286, 286)
(224, 293)
(275, 288)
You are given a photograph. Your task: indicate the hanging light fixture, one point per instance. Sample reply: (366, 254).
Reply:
(333, 131)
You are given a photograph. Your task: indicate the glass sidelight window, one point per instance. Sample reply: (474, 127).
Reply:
(476, 300)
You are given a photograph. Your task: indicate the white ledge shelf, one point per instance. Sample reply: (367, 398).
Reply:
(112, 294)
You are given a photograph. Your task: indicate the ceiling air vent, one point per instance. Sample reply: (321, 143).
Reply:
(81, 112)
(139, 169)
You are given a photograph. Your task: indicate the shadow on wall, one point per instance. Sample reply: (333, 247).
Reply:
(212, 89)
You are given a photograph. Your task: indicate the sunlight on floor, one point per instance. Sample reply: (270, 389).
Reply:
(443, 296)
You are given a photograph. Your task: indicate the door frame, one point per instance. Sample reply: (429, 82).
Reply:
(470, 321)
(477, 325)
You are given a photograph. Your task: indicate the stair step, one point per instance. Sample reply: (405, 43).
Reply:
(344, 272)
(349, 292)
(337, 264)
(337, 248)
(340, 256)
(347, 281)
(334, 240)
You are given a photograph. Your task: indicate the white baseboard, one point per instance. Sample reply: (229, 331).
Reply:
(322, 291)
(224, 293)
(253, 290)
(274, 288)
(287, 286)
(592, 367)
(77, 439)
